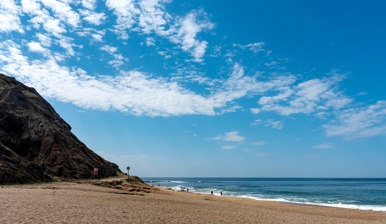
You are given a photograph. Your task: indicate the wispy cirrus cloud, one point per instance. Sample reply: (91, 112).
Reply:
(118, 59)
(254, 47)
(274, 124)
(49, 33)
(133, 91)
(359, 122)
(323, 146)
(150, 16)
(228, 147)
(63, 11)
(311, 96)
(9, 17)
(187, 31)
(89, 4)
(232, 136)
(93, 17)
(36, 47)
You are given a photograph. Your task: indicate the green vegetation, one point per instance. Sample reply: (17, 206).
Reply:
(134, 179)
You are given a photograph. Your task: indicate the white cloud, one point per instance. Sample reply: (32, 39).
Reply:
(274, 124)
(63, 18)
(359, 122)
(165, 54)
(186, 35)
(63, 11)
(255, 110)
(256, 122)
(258, 143)
(132, 91)
(228, 147)
(44, 39)
(118, 58)
(141, 93)
(272, 63)
(125, 12)
(254, 47)
(67, 44)
(323, 146)
(53, 26)
(307, 97)
(9, 17)
(97, 37)
(93, 17)
(150, 16)
(150, 41)
(362, 94)
(239, 85)
(95, 34)
(232, 136)
(154, 18)
(41, 17)
(89, 4)
(109, 49)
(36, 47)
(154, 96)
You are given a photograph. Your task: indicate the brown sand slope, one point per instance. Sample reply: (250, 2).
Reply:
(85, 202)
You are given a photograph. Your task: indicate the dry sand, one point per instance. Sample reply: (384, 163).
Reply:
(83, 202)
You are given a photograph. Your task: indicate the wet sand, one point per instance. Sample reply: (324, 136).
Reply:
(84, 202)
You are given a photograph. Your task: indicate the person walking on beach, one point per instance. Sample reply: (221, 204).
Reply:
(211, 192)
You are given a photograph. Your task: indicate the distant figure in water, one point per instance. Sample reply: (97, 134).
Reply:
(187, 190)
(221, 193)
(211, 192)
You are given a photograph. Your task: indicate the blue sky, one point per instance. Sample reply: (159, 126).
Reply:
(210, 88)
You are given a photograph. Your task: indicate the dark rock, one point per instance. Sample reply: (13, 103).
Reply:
(16, 170)
(34, 136)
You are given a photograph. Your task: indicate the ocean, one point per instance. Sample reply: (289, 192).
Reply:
(353, 193)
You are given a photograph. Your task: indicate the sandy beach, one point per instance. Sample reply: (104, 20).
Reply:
(84, 202)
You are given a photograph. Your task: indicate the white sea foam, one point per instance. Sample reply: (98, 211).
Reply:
(177, 181)
(299, 201)
(376, 208)
(179, 188)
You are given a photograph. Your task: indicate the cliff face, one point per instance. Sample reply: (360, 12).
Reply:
(35, 142)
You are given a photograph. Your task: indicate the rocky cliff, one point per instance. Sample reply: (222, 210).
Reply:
(36, 143)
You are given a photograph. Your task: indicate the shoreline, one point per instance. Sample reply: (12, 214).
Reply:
(284, 201)
(86, 202)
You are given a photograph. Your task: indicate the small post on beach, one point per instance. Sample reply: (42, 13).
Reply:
(128, 170)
